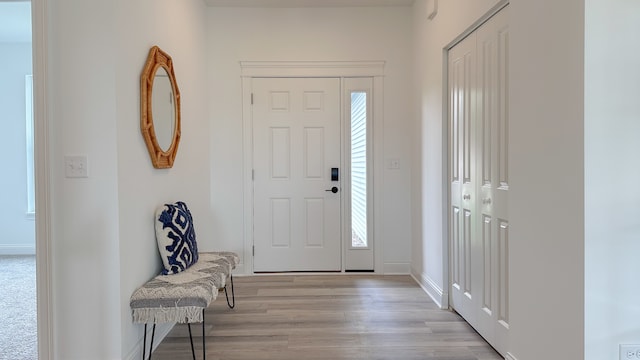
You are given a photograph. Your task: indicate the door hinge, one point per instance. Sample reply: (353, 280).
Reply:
(254, 250)
(251, 98)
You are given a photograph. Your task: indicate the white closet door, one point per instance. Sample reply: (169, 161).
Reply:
(462, 76)
(493, 178)
(479, 181)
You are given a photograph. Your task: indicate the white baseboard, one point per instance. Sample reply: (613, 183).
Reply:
(241, 270)
(396, 269)
(439, 296)
(510, 357)
(9, 249)
(162, 330)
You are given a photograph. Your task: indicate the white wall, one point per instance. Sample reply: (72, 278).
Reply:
(18, 234)
(431, 37)
(612, 221)
(177, 27)
(309, 34)
(102, 240)
(546, 203)
(84, 212)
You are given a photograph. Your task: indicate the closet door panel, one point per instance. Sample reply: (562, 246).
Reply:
(462, 156)
(493, 188)
(479, 150)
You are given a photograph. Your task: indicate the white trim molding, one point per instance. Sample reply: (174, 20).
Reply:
(432, 9)
(311, 68)
(247, 169)
(162, 330)
(397, 268)
(42, 171)
(17, 249)
(435, 292)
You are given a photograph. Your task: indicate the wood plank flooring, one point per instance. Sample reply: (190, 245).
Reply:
(291, 317)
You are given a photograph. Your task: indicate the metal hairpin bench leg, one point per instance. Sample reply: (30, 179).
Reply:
(204, 346)
(233, 294)
(193, 351)
(144, 342)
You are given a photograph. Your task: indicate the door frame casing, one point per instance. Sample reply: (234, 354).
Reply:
(42, 167)
(310, 69)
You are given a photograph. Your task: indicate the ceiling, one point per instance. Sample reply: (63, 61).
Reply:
(307, 3)
(15, 16)
(15, 21)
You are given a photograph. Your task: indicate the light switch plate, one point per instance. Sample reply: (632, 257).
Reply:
(76, 166)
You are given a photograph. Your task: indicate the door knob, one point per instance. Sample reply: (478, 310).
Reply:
(333, 189)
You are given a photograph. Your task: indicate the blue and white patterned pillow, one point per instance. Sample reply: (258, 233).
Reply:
(176, 237)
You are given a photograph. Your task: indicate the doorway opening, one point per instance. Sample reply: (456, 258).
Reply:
(18, 303)
(359, 77)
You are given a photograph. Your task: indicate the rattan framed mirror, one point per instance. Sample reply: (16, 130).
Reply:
(160, 108)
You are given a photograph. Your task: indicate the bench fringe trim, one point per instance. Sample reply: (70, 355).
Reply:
(184, 314)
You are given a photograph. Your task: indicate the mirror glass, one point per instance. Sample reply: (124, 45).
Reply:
(160, 108)
(163, 109)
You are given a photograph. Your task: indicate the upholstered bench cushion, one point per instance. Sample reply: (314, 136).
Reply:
(182, 297)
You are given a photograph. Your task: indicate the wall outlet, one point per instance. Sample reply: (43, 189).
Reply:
(629, 351)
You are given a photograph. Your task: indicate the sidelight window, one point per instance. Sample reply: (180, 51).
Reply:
(359, 169)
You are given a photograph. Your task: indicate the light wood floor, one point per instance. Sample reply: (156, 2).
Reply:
(293, 317)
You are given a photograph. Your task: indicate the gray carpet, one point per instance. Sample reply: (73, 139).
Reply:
(18, 339)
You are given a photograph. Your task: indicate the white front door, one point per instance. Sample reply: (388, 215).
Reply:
(296, 143)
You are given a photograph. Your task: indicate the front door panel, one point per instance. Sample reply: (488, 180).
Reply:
(296, 143)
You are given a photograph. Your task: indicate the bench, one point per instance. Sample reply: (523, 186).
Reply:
(188, 284)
